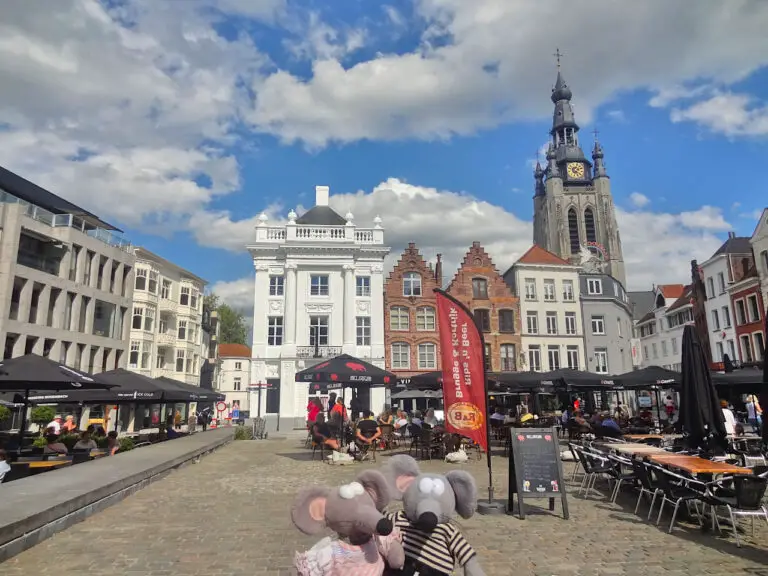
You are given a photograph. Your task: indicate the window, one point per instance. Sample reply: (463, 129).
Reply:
(141, 279)
(618, 326)
(721, 282)
(275, 331)
(594, 286)
(589, 225)
(480, 288)
(746, 349)
(532, 322)
(553, 355)
(507, 355)
(570, 323)
(193, 301)
(726, 316)
(133, 357)
(162, 325)
(754, 309)
(534, 358)
(764, 258)
(401, 356)
(363, 286)
(153, 281)
(645, 352)
(507, 321)
(573, 231)
(238, 365)
(601, 360)
(276, 286)
(549, 290)
(165, 289)
(146, 354)
(427, 356)
(363, 326)
(182, 330)
(710, 288)
(530, 289)
(715, 320)
(598, 325)
(184, 296)
(149, 319)
(192, 332)
(425, 319)
(732, 349)
(568, 290)
(572, 352)
(399, 318)
(138, 318)
(655, 350)
(759, 346)
(318, 328)
(483, 320)
(664, 348)
(487, 357)
(160, 362)
(179, 360)
(236, 383)
(551, 322)
(741, 313)
(411, 284)
(318, 285)
(720, 351)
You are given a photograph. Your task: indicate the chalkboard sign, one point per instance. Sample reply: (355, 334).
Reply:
(535, 470)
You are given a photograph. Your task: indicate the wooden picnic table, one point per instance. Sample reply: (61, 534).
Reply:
(696, 465)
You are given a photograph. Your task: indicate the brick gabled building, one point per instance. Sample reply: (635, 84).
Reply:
(479, 286)
(748, 310)
(410, 315)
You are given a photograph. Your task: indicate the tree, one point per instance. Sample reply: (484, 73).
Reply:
(232, 327)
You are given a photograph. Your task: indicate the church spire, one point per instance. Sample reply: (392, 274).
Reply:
(538, 175)
(597, 156)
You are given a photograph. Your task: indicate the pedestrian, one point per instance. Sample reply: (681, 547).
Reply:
(177, 420)
(754, 413)
(191, 423)
(730, 419)
(203, 420)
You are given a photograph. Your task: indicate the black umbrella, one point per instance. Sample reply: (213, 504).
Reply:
(750, 378)
(651, 377)
(195, 392)
(700, 413)
(427, 381)
(346, 370)
(533, 382)
(126, 386)
(763, 395)
(33, 372)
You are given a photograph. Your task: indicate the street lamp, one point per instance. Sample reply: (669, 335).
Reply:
(316, 335)
(261, 385)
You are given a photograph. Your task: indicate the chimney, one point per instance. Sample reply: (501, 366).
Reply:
(731, 235)
(439, 270)
(321, 195)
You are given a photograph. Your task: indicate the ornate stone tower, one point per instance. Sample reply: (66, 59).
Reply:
(574, 216)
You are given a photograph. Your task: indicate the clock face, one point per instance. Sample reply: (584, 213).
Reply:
(575, 170)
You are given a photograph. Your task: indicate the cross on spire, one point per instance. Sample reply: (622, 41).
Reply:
(558, 55)
(595, 132)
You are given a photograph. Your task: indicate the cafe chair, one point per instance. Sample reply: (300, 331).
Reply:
(80, 456)
(594, 467)
(646, 484)
(676, 494)
(415, 433)
(746, 501)
(17, 471)
(578, 468)
(619, 476)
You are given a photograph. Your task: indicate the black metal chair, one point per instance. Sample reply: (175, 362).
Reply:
(747, 501)
(676, 494)
(646, 484)
(619, 476)
(414, 432)
(594, 466)
(80, 456)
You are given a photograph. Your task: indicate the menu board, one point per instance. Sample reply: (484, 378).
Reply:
(535, 470)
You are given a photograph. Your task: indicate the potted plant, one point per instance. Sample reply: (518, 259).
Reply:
(42, 415)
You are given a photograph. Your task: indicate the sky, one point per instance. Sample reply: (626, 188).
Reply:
(181, 121)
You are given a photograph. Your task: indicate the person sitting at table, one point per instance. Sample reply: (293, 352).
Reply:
(430, 418)
(5, 464)
(54, 446)
(386, 418)
(609, 427)
(170, 432)
(730, 419)
(416, 420)
(85, 442)
(321, 433)
(498, 414)
(112, 444)
(738, 429)
(69, 426)
(367, 432)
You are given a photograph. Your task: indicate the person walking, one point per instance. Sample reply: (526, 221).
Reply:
(754, 413)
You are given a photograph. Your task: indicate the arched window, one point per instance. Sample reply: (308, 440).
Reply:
(573, 230)
(411, 284)
(589, 225)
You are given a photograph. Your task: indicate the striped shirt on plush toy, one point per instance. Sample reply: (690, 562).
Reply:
(439, 549)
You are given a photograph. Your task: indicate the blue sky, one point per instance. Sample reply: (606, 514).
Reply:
(182, 121)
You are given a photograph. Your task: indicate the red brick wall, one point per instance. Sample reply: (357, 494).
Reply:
(477, 264)
(750, 327)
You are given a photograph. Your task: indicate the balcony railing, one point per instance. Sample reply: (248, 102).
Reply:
(322, 351)
(305, 233)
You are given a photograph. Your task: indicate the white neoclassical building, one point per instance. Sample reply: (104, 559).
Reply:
(319, 292)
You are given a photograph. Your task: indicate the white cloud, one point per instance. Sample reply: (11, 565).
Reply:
(752, 214)
(727, 113)
(639, 200)
(617, 116)
(470, 73)
(658, 247)
(238, 294)
(394, 16)
(316, 39)
(663, 97)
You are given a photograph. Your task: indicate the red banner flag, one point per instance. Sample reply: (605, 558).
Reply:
(461, 354)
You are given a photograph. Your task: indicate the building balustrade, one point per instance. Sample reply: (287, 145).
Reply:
(301, 233)
(317, 352)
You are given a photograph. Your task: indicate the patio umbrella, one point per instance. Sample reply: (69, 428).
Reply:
(700, 413)
(427, 381)
(651, 377)
(196, 393)
(346, 370)
(751, 378)
(33, 372)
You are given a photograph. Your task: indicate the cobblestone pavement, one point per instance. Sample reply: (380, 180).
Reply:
(229, 516)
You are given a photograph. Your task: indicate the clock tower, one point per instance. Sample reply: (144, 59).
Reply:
(574, 216)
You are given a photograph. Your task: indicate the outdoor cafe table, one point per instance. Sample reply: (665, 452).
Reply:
(696, 465)
(630, 448)
(643, 437)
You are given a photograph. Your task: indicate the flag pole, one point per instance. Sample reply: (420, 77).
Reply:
(491, 506)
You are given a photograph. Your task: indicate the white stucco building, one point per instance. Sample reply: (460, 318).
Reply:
(660, 330)
(720, 272)
(550, 311)
(166, 323)
(234, 378)
(319, 292)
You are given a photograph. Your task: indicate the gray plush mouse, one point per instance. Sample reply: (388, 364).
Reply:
(433, 546)
(354, 512)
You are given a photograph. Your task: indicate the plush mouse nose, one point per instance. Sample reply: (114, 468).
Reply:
(427, 522)
(384, 527)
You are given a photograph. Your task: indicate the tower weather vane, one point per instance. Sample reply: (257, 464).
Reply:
(558, 55)
(595, 132)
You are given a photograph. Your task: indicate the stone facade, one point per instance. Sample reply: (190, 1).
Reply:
(411, 338)
(479, 286)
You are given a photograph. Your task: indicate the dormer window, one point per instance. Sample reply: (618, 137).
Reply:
(411, 284)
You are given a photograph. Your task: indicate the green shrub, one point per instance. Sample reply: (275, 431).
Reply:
(243, 433)
(69, 440)
(101, 441)
(40, 442)
(42, 415)
(126, 444)
(5, 413)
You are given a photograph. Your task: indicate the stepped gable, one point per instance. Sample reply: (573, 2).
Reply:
(410, 260)
(477, 262)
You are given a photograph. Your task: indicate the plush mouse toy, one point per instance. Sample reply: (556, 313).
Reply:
(433, 546)
(354, 512)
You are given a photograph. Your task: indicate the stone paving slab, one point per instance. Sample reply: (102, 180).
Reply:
(229, 515)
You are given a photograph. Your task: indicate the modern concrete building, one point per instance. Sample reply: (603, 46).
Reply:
(607, 317)
(319, 292)
(66, 280)
(235, 378)
(166, 335)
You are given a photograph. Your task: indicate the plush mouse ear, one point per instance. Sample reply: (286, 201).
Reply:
(400, 472)
(465, 490)
(308, 512)
(376, 485)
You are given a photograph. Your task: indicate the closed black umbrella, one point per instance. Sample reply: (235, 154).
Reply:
(346, 370)
(700, 413)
